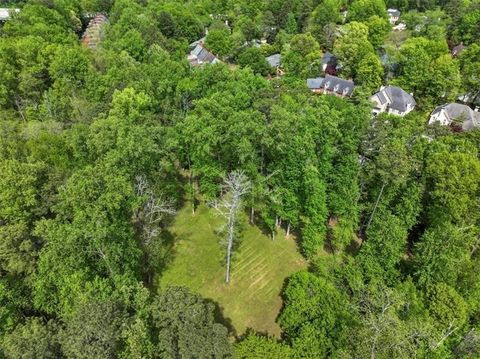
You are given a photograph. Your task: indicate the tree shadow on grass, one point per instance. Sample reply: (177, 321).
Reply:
(220, 317)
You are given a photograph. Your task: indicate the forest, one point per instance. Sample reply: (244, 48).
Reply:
(239, 179)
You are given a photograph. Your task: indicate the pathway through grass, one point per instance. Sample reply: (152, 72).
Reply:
(260, 266)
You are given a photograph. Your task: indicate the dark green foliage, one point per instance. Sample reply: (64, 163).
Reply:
(184, 326)
(99, 146)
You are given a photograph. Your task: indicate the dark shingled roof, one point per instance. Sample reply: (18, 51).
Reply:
(396, 97)
(201, 55)
(332, 84)
(456, 111)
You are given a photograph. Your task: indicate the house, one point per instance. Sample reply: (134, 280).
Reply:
(94, 32)
(331, 85)
(392, 100)
(457, 50)
(275, 61)
(200, 56)
(329, 63)
(456, 115)
(5, 13)
(393, 15)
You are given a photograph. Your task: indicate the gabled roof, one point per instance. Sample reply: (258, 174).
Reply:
(315, 83)
(331, 84)
(394, 12)
(274, 60)
(455, 111)
(201, 55)
(397, 98)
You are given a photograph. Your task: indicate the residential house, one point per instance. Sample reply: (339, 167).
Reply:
(457, 50)
(458, 116)
(329, 63)
(393, 16)
(200, 56)
(94, 32)
(275, 61)
(5, 13)
(331, 85)
(392, 100)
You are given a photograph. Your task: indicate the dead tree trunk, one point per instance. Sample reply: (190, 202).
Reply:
(375, 207)
(235, 185)
(287, 233)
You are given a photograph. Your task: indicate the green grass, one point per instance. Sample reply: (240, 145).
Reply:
(260, 266)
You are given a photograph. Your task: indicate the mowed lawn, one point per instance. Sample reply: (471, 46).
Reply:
(260, 266)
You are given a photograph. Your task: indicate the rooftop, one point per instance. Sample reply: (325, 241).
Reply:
(397, 98)
(274, 60)
(455, 112)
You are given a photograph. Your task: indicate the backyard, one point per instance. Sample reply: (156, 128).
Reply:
(260, 266)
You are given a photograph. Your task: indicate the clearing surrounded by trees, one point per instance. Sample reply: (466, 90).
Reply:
(260, 267)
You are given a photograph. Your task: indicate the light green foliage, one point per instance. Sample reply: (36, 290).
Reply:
(302, 57)
(441, 79)
(447, 306)
(360, 10)
(314, 229)
(219, 42)
(253, 57)
(378, 29)
(369, 72)
(352, 46)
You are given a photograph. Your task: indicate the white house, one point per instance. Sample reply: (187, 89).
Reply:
(393, 16)
(455, 114)
(392, 100)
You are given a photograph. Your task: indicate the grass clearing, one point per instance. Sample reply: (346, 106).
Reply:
(259, 268)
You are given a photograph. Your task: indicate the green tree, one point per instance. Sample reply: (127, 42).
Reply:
(219, 41)
(33, 339)
(253, 57)
(184, 325)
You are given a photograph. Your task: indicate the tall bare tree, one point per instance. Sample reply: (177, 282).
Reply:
(152, 210)
(235, 186)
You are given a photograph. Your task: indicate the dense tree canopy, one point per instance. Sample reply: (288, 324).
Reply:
(103, 140)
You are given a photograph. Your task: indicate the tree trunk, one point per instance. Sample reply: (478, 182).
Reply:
(287, 233)
(252, 215)
(375, 207)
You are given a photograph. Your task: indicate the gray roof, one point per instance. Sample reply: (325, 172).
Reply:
(315, 83)
(328, 58)
(203, 55)
(456, 111)
(394, 12)
(397, 98)
(332, 84)
(274, 60)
